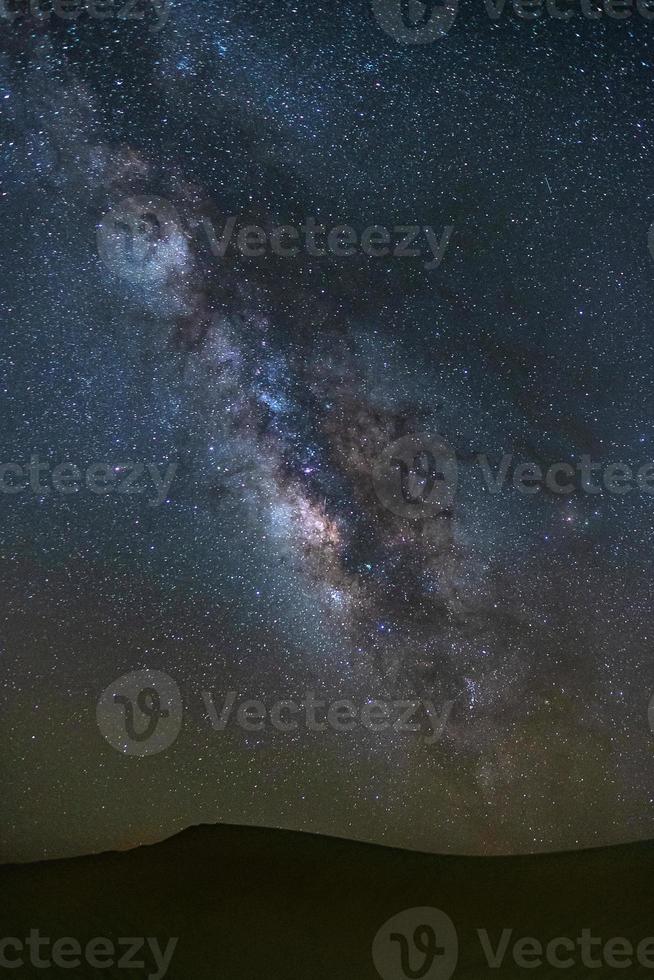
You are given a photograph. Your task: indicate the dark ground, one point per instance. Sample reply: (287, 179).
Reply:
(252, 903)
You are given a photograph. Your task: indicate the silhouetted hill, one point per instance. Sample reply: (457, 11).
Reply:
(257, 904)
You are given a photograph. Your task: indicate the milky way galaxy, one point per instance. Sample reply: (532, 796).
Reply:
(284, 390)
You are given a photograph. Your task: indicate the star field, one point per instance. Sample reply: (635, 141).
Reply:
(273, 384)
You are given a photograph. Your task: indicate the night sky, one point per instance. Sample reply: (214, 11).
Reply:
(274, 384)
